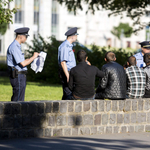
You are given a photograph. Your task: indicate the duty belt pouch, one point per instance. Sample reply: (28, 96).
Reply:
(14, 72)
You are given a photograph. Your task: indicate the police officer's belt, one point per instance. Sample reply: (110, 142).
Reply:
(22, 72)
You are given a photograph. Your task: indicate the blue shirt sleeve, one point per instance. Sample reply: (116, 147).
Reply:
(64, 54)
(17, 54)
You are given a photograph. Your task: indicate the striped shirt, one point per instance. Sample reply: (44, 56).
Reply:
(136, 82)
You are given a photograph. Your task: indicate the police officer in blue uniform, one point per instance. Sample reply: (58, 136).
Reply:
(17, 64)
(145, 46)
(66, 60)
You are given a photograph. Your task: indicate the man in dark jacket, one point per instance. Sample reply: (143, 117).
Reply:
(113, 84)
(82, 78)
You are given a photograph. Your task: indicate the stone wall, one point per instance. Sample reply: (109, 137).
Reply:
(72, 118)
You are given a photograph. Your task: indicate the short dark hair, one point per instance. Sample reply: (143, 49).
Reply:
(81, 55)
(147, 58)
(132, 61)
(110, 56)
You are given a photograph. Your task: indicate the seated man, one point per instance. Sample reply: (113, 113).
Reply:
(82, 78)
(113, 84)
(147, 71)
(136, 79)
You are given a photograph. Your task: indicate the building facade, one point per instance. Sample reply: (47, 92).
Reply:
(48, 17)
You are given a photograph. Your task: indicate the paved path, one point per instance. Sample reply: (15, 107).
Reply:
(126, 141)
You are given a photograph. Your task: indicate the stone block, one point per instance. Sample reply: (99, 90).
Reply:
(100, 130)
(114, 105)
(119, 118)
(74, 131)
(78, 106)
(4, 134)
(48, 108)
(24, 108)
(127, 105)
(70, 106)
(94, 106)
(104, 119)
(13, 134)
(63, 107)
(87, 120)
(97, 119)
(141, 117)
(0, 122)
(26, 121)
(133, 118)
(16, 108)
(84, 131)
(38, 120)
(78, 120)
(140, 104)
(61, 120)
(39, 132)
(109, 129)
(121, 105)
(108, 105)
(1, 109)
(40, 107)
(86, 106)
(116, 129)
(126, 118)
(57, 132)
(8, 122)
(130, 129)
(17, 121)
(22, 134)
(93, 130)
(134, 105)
(7, 108)
(55, 107)
(139, 128)
(123, 129)
(30, 133)
(101, 105)
(67, 132)
(147, 128)
(71, 120)
(47, 132)
(32, 108)
(147, 104)
(51, 121)
(112, 119)
(148, 117)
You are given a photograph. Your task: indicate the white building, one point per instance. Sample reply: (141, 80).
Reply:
(47, 18)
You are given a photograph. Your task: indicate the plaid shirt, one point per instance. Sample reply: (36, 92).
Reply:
(136, 82)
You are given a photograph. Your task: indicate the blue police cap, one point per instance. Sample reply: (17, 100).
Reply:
(72, 31)
(145, 44)
(22, 31)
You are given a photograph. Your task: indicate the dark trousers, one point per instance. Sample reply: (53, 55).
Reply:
(66, 91)
(19, 85)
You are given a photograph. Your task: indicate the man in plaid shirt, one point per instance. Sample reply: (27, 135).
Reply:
(136, 79)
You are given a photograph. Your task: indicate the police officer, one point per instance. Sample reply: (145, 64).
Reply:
(66, 60)
(17, 64)
(145, 46)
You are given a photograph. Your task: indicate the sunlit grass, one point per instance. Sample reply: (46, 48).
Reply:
(34, 91)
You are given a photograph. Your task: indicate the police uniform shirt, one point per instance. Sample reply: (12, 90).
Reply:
(15, 56)
(65, 53)
(139, 59)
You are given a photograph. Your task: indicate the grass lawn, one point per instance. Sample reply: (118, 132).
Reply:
(34, 91)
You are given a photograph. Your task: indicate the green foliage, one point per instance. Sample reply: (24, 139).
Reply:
(3, 28)
(134, 9)
(127, 30)
(3, 67)
(5, 12)
(50, 70)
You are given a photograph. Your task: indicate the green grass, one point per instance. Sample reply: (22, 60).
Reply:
(34, 91)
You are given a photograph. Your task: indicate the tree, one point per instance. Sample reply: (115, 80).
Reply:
(127, 30)
(134, 9)
(5, 12)
(3, 28)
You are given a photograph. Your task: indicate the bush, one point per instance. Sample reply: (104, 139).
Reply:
(50, 70)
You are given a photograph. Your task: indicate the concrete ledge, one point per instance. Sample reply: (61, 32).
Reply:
(70, 118)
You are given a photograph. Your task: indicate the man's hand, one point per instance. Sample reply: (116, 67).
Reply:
(35, 55)
(88, 63)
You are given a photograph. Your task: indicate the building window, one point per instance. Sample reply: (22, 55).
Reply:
(36, 12)
(55, 18)
(147, 13)
(19, 13)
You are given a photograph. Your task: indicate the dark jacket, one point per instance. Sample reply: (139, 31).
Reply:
(82, 80)
(113, 84)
